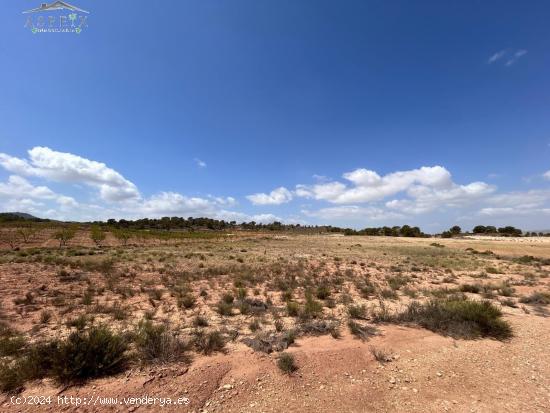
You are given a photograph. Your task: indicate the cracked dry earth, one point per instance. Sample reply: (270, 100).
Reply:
(428, 373)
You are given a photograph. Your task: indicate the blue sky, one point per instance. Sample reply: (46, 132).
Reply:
(355, 113)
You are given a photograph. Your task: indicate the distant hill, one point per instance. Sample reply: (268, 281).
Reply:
(17, 216)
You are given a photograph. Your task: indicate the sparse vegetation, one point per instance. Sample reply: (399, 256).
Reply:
(538, 297)
(208, 343)
(362, 332)
(381, 355)
(157, 344)
(458, 317)
(167, 296)
(286, 363)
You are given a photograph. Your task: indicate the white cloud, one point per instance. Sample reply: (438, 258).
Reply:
(546, 175)
(172, 203)
(66, 167)
(535, 202)
(227, 201)
(511, 56)
(276, 197)
(426, 199)
(516, 56)
(18, 188)
(497, 56)
(531, 199)
(200, 164)
(242, 217)
(122, 197)
(352, 213)
(430, 184)
(513, 212)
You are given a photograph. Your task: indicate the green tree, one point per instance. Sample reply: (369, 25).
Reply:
(455, 230)
(122, 235)
(27, 231)
(97, 235)
(64, 235)
(480, 229)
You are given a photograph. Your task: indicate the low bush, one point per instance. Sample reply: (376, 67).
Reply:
(319, 327)
(224, 308)
(200, 321)
(10, 342)
(228, 298)
(389, 294)
(381, 355)
(292, 308)
(540, 298)
(361, 332)
(312, 308)
(286, 363)
(322, 292)
(186, 301)
(357, 311)
(458, 317)
(398, 281)
(11, 379)
(208, 343)
(156, 344)
(471, 288)
(254, 325)
(83, 355)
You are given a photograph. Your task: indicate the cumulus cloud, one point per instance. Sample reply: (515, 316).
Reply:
(172, 204)
(535, 202)
(414, 192)
(427, 184)
(122, 198)
(18, 188)
(426, 199)
(276, 197)
(66, 167)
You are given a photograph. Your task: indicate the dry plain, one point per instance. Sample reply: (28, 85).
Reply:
(208, 318)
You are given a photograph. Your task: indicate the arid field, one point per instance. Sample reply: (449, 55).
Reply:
(276, 322)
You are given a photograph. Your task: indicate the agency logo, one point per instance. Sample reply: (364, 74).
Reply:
(56, 17)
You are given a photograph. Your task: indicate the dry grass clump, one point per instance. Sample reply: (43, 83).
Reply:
(381, 355)
(538, 297)
(286, 363)
(81, 356)
(362, 332)
(208, 343)
(458, 317)
(357, 311)
(156, 344)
